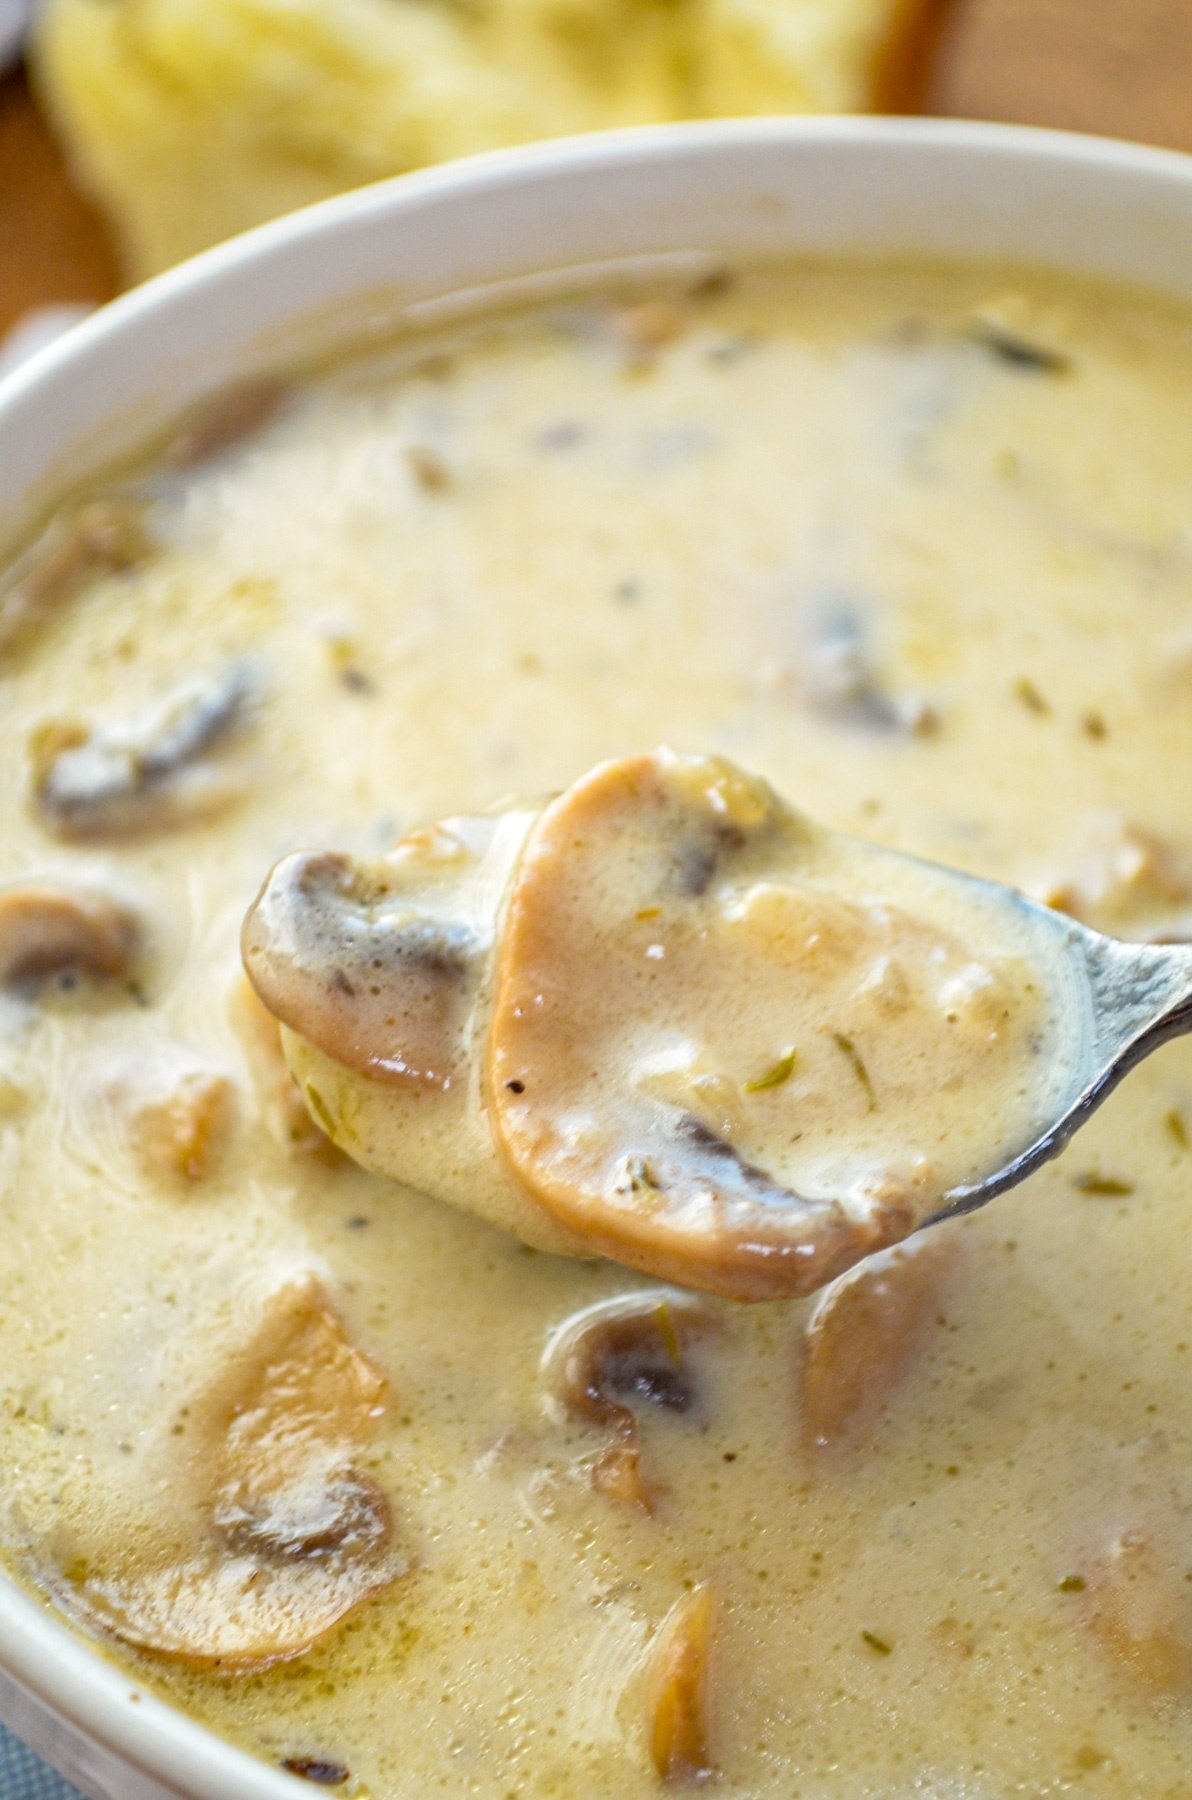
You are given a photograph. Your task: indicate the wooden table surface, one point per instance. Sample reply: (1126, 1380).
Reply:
(1118, 66)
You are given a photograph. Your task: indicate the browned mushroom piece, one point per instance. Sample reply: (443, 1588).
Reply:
(666, 916)
(280, 1097)
(699, 1027)
(357, 958)
(147, 774)
(840, 679)
(102, 537)
(49, 932)
(618, 1353)
(677, 1691)
(180, 1133)
(1131, 881)
(377, 973)
(226, 420)
(1130, 1589)
(865, 1333)
(274, 1532)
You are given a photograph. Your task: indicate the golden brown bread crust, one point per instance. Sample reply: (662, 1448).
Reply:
(189, 124)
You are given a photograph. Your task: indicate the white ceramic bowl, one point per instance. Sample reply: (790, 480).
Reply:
(737, 190)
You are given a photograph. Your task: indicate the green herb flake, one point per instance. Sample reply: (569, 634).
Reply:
(1176, 1128)
(1028, 694)
(664, 1319)
(847, 1048)
(319, 1110)
(776, 1077)
(1106, 1187)
(877, 1644)
(1071, 1584)
(1018, 351)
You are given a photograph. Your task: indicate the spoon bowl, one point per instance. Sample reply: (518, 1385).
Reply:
(667, 1019)
(1119, 1002)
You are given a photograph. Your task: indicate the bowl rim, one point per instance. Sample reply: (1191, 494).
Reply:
(579, 154)
(40, 1655)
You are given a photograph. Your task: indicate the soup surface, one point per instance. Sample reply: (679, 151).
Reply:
(365, 1484)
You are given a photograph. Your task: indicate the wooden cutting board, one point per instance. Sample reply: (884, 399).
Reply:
(1123, 67)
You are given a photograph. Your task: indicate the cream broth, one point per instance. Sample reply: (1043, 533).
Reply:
(640, 1022)
(362, 1482)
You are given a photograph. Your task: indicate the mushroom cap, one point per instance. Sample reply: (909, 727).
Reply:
(699, 1028)
(621, 935)
(48, 930)
(274, 1534)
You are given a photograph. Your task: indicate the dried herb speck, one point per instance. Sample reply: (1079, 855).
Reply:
(1029, 696)
(847, 1048)
(774, 1077)
(667, 1332)
(1107, 1187)
(1019, 352)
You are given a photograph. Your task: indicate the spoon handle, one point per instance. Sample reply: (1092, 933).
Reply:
(1141, 996)
(1137, 997)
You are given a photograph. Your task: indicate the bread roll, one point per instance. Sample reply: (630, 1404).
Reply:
(190, 120)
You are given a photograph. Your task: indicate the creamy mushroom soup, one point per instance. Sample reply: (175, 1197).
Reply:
(553, 1018)
(388, 1498)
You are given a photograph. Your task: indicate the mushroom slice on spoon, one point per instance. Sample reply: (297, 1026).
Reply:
(664, 1019)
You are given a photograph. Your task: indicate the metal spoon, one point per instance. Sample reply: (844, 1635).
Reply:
(1123, 1001)
(389, 978)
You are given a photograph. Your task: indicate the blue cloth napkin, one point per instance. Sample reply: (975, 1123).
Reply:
(22, 1777)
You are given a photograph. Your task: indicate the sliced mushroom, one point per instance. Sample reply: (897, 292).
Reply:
(677, 1691)
(1132, 1593)
(614, 963)
(865, 1333)
(629, 1349)
(150, 774)
(377, 973)
(49, 932)
(1132, 881)
(181, 1134)
(367, 961)
(841, 680)
(695, 1023)
(274, 1534)
(104, 537)
(289, 1490)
